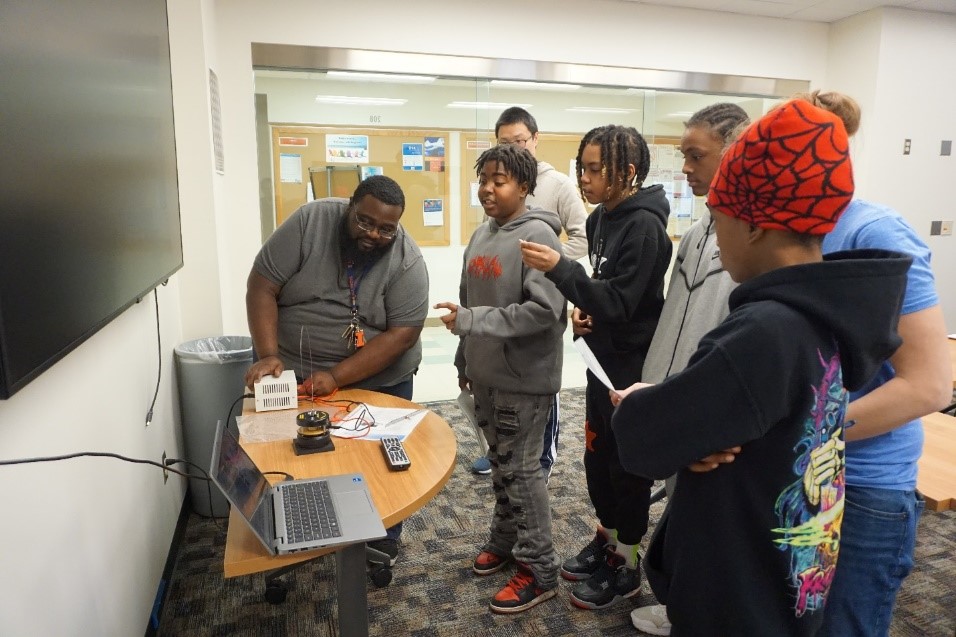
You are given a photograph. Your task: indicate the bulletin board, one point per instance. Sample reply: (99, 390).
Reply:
(333, 161)
(559, 150)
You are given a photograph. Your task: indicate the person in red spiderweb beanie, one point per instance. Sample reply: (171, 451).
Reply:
(750, 549)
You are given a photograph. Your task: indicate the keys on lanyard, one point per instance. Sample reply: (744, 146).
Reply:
(354, 335)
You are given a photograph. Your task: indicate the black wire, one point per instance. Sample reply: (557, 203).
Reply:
(170, 461)
(159, 372)
(363, 419)
(288, 476)
(232, 407)
(97, 454)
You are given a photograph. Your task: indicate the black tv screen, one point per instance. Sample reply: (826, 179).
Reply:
(89, 201)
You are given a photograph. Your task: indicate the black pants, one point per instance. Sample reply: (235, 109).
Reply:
(621, 499)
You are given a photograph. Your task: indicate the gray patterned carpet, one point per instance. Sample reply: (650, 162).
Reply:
(435, 594)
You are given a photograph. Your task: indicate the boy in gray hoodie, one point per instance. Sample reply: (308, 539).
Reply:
(511, 320)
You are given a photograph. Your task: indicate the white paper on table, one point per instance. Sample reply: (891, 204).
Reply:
(268, 426)
(589, 359)
(389, 421)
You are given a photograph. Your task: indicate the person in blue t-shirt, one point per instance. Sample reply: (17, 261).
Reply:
(882, 447)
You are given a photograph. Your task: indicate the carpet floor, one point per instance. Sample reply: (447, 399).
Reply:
(434, 592)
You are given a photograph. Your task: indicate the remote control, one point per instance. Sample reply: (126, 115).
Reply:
(394, 452)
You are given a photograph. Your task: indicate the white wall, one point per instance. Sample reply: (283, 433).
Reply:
(908, 94)
(616, 33)
(85, 540)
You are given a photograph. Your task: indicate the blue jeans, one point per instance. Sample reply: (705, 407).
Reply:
(876, 554)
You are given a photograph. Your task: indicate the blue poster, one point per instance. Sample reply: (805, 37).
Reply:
(412, 157)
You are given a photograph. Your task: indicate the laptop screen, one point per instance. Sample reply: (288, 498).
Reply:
(242, 482)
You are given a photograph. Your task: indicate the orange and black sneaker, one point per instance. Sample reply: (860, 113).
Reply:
(521, 592)
(487, 562)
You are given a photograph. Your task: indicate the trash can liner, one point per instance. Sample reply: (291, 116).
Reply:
(218, 349)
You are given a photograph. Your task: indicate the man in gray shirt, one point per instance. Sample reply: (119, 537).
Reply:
(339, 294)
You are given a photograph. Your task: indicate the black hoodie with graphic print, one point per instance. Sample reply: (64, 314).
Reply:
(751, 547)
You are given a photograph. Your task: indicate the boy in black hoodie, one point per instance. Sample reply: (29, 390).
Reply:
(751, 549)
(511, 321)
(616, 312)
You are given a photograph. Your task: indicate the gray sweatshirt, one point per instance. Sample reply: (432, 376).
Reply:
(696, 302)
(511, 318)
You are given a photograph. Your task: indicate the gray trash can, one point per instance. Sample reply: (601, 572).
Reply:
(210, 373)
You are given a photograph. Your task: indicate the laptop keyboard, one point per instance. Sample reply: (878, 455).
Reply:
(309, 514)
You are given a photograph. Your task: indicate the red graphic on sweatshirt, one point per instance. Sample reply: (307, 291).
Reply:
(589, 436)
(484, 267)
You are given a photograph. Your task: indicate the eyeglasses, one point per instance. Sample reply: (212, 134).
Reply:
(516, 142)
(365, 225)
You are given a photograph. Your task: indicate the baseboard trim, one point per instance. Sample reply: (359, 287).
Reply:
(152, 624)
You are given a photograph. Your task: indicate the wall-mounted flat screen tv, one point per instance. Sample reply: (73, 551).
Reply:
(89, 202)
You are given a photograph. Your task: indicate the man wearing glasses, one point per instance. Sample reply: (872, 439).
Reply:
(339, 294)
(558, 193)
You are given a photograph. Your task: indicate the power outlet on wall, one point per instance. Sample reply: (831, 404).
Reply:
(165, 472)
(906, 146)
(941, 228)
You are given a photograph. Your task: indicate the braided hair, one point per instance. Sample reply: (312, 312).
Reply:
(516, 161)
(620, 146)
(725, 120)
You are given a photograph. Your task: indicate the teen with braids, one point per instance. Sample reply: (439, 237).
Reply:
(510, 320)
(616, 312)
(751, 549)
(696, 299)
(697, 295)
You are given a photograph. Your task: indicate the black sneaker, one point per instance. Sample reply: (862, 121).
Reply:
(521, 592)
(488, 562)
(583, 565)
(387, 546)
(611, 583)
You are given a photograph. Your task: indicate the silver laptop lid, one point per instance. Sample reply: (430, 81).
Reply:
(243, 484)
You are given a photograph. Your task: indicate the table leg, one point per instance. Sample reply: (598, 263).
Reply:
(353, 599)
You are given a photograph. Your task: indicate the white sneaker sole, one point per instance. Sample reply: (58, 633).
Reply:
(650, 627)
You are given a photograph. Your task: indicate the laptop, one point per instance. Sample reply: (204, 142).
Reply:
(295, 515)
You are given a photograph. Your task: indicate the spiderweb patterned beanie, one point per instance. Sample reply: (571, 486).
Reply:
(790, 170)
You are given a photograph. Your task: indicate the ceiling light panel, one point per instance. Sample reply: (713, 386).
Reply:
(359, 101)
(535, 86)
(600, 109)
(380, 77)
(486, 106)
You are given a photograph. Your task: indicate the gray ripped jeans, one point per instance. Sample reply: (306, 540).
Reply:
(513, 425)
